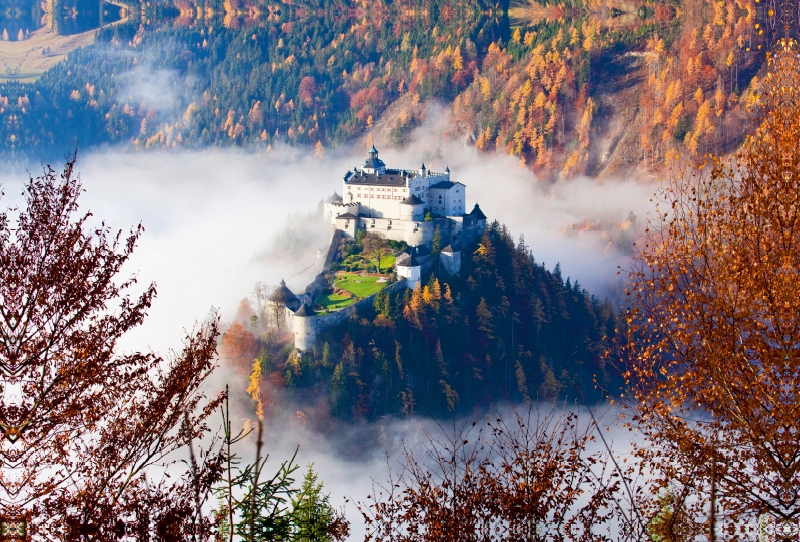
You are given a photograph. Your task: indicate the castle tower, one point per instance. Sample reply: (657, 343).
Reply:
(409, 267)
(412, 208)
(450, 257)
(374, 165)
(305, 328)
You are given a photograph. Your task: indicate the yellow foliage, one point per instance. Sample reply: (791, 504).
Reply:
(458, 61)
(571, 162)
(187, 115)
(485, 87)
(529, 38)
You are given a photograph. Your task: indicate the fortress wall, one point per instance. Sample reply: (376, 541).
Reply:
(451, 262)
(378, 207)
(410, 231)
(288, 318)
(332, 250)
(332, 210)
(305, 333)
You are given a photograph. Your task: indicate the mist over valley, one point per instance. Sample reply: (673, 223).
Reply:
(421, 241)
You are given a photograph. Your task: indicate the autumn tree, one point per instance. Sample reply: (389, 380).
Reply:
(238, 347)
(714, 335)
(82, 425)
(375, 246)
(261, 294)
(528, 477)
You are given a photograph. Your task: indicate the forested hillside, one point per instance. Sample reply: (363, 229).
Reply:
(564, 85)
(507, 328)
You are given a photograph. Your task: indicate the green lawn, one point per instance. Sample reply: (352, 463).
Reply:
(357, 262)
(358, 285)
(335, 301)
(387, 262)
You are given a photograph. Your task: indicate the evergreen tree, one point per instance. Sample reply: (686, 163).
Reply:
(312, 513)
(436, 247)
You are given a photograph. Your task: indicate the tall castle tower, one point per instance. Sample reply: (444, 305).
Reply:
(305, 328)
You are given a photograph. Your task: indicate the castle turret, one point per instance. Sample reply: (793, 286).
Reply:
(412, 208)
(450, 257)
(480, 218)
(305, 328)
(373, 164)
(410, 268)
(284, 297)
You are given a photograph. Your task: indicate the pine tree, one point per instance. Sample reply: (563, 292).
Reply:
(440, 363)
(312, 513)
(326, 355)
(436, 247)
(337, 388)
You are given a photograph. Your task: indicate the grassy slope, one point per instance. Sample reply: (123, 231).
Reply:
(335, 301)
(360, 286)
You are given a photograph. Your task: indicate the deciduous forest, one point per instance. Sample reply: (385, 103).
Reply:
(568, 87)
(507, 367)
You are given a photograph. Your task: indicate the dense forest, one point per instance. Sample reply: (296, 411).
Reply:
(539, 81)
(507, 328)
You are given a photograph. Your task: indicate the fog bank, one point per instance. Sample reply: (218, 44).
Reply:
(218, 221)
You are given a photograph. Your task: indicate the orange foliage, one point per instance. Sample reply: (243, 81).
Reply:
(238, 348)
(714, 357)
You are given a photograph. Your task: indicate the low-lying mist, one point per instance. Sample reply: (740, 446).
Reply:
(216, 222)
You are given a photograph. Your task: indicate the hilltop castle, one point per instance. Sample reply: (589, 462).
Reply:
(406, 205)
(398, 204)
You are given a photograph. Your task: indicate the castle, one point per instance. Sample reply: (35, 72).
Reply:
(395, 202)
(400, 205)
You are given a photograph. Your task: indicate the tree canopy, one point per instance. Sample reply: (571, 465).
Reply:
(714, 329)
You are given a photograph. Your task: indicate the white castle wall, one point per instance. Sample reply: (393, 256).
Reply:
(412, 212)
(378, 201)
(413, 232)
(305, 332)
(413, 275)
(447, 201)
(384, 201)
(451, 262)
(332, 210)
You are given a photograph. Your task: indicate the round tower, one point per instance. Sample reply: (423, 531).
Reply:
(412, 208)
(305, 328)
